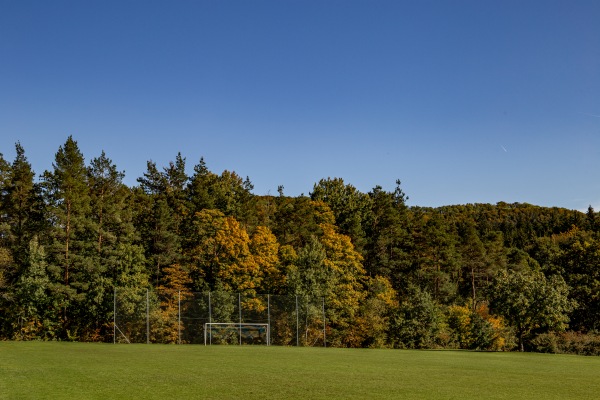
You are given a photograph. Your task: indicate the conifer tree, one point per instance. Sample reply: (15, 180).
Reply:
(435, 255)
(4, 215)
(36, 316)
(199, 187)
(24, 206)
(350, 207)
(175, 191)
(113, 232)
(107, 200)
(66, 192)
(158, 221)
(389, 241)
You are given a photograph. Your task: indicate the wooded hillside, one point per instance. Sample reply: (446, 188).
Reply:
(476, 276)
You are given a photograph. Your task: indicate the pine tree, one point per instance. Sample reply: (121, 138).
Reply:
(227, 192)
(175, 191)
(435, 255)
(350, 207)
(158, 220)
(66, 192)
(199, 188)
(113, 232)
(107, 199)
(23, 205)
(37, 318)
(4, 214)
(389, 241)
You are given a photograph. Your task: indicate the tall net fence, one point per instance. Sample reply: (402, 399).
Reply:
(143, 316)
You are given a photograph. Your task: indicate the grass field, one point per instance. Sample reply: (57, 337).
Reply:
(51, 370)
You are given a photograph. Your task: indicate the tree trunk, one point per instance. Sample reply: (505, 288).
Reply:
(100, 222)
(521, 345)
(68, 234)
(473, 286)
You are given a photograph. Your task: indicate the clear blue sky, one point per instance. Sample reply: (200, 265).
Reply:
(464, 101)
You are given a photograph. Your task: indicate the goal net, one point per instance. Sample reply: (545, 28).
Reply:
(236, 333)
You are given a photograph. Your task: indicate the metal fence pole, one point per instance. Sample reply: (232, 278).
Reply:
(179, 317)
(147, 317)
(240, 312)
(269, 320)
(297, 323)
(324, 324)
(114, 315)
(306, 317)
(209, 319)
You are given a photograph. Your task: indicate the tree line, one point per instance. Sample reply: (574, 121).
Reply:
(475, 276)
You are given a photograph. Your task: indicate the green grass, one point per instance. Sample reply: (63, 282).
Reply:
(51, 370)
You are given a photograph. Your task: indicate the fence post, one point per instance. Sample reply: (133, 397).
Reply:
(240, 312)
(209, 320)
(297, 323)
(269, 320)
(306, 320)
(179, 317)
(147, 317)
(324, 324)
(114, 315)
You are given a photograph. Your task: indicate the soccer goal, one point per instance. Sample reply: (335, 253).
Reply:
(235, 332)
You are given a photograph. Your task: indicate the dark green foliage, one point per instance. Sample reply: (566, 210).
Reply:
(67, 195)
(389, 240)
(22, 204)
(592, 219)
(7, 295)
(309, 278)
(227, 192)
(482, 333)
(417, 321)
(34, 313)
(297, 220)
(350, 207)
(163, 217)
(576, 256)
(436, 256)
(530, 302)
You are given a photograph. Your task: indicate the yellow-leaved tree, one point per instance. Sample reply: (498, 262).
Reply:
(173, 289)
(222, 253)
(476, 329)
(345, 289)
(375, 312)
(265, 250)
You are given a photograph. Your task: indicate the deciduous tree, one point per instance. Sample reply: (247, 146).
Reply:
(531, 302)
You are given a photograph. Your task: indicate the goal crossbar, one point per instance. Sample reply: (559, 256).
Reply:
(238, 325)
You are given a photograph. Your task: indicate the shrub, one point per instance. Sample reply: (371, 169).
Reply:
(587, 344)
(477, 330)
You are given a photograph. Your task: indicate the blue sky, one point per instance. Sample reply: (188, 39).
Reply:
(464, 101)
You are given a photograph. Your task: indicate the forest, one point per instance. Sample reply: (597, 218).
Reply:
(476, 276)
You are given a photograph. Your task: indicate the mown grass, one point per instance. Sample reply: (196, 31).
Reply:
(51, 370)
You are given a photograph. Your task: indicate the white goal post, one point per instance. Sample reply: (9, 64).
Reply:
(208, 328)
